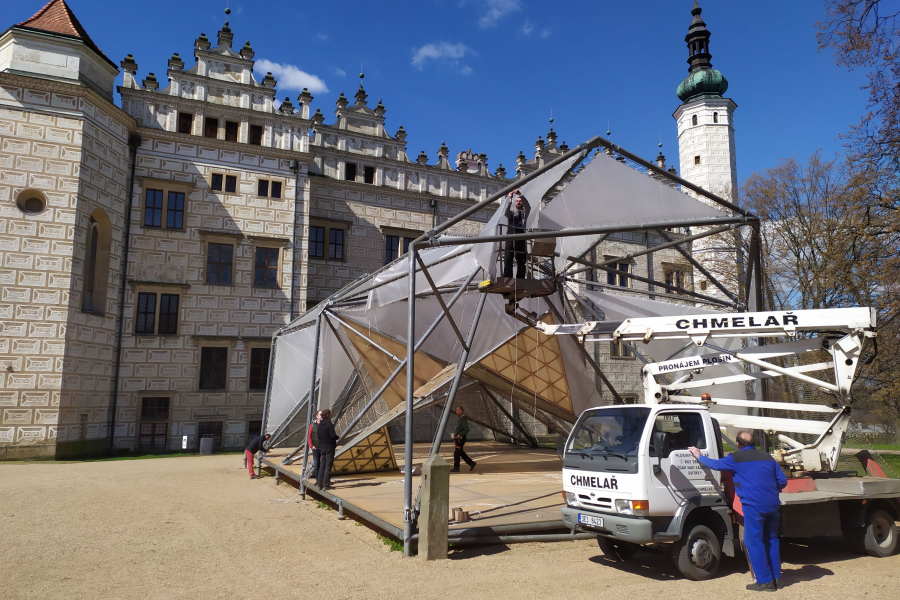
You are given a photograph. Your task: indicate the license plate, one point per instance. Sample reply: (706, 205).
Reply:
(590, 520)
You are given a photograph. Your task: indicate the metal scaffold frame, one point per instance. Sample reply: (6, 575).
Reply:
(355, 294)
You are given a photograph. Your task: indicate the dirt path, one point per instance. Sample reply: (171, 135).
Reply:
(198, 528)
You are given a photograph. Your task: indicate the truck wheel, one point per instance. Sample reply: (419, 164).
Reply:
(616, 549)
(697, 554)
(880, 534)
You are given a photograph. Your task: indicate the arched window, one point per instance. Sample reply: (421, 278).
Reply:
(96, 263)
(694, 120)
(715, 117)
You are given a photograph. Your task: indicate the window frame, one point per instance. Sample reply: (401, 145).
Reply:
(269, 246)
(617, 279)
(171, 192)
(619, 351)
(405, 237)
(157, 294)
(347, 171)
(328, 225)
(270, 188)
(367, 170)
(226, 368)
(220, 241)
(207, 121)
(251, 129)
(264, 367)
(237, 131)
(225, 175)
(180, 122)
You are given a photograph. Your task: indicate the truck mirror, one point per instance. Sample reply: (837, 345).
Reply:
(659, 444)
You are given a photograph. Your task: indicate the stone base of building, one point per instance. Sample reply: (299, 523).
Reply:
(81, 449)
(29, 452)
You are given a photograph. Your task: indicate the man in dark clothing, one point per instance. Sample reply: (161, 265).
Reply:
(459, 436)
(327, 445)
(516, 220)
(757, 480)
(312, 440)
(257, 444)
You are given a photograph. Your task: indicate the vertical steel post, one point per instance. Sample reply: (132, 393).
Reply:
(460, 367)
(410, 382)
(310, 402)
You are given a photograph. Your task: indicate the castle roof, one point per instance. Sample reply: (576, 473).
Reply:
(57, 18)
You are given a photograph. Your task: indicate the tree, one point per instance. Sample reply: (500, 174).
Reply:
(826, 244)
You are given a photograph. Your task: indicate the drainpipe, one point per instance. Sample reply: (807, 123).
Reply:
(295, 167)
(134, 141)
(433, 213)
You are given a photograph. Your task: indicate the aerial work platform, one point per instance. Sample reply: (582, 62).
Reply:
(512, 489)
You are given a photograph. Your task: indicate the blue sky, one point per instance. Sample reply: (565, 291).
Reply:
(485, 74)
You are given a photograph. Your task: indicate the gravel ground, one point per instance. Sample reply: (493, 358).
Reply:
(197, 527)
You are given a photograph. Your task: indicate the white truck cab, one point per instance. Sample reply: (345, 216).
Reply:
(628, 476)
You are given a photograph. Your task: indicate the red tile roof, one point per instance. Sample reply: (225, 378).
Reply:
(56, 17)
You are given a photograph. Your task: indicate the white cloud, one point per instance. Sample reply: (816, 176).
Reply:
(494, 10)
(527, 27)
(292, 78)
(321, 37)
(338, 72)
(545, 32)
(443, 52)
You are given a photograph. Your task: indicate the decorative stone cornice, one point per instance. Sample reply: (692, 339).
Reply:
(186, 138)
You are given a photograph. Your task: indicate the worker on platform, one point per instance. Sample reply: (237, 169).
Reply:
(516, 219)
(257, 444)
(459, 437)
(757, 480)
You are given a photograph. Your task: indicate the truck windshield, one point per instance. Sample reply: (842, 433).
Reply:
(609, 431)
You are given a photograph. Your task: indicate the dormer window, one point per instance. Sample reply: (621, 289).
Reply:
(231, 131)
(256, 135)
(211, 127)
(185, 123)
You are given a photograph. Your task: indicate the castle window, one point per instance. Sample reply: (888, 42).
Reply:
(694, 120)
(266, 188)
(153, 309)
(230, 184)
(259, 368)
(675, 278)
(317, 242)
(266, 267)
(154, 424)
(31, 202)
(618, 279)
(153, 207)
(174, 209)
(218, 181)
(350, 171)
(618, 349)
(211, 127)
(219, 261)
(697, 160)
(96, 266)
(213, 368)
(215, 182)
(256, 135)
(336, 244)
(369, 174)
(715, 117)
(231, 131)
(185, 123)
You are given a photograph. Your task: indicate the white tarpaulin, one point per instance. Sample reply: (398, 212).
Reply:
(445, 265)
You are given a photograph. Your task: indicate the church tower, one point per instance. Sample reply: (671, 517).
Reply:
(705, 118)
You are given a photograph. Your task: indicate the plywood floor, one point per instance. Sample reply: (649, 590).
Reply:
(510, 485)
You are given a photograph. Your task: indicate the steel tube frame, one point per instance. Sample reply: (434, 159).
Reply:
(457, 377)
(659, 283)
(528, 437)
(537, 235)
(669, 244)
(607, 286)
(440, 300)
(410, 381)
(400, 366)
(311, 400)
(362, 335)
(600, 239)
(700, 267)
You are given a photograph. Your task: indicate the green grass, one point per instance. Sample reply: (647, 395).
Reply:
(322, 505)
(394, 544)
(894, 461)
(885, 447)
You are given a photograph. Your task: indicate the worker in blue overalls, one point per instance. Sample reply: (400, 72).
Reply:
(757, 481)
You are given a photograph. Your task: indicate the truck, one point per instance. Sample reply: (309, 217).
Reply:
(629, 478)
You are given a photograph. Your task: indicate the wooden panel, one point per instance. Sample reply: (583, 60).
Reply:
(533, 362)
(372, 454)
(380, 365)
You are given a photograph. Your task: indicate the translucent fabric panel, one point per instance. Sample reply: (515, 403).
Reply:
(336, 370)
(293, 370)
(533, 191)
(445, 264)
(607, 192)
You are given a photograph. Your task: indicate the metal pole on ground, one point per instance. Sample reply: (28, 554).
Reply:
(410, 382)
(310, 402)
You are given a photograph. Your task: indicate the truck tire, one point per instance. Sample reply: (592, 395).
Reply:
(698, 553)
(616, 549)
(880, 534)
